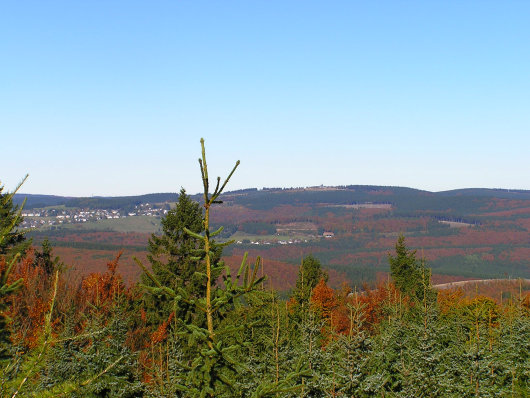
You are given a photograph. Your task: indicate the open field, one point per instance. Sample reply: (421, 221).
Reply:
(273, 239)
(144, 224)
(455, 224)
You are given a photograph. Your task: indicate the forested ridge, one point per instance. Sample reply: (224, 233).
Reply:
(194, 327)
(467, 233)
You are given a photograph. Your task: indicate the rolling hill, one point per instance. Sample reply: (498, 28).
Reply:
(465, 233)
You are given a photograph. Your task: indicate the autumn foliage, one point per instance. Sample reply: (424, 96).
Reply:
(29, 305)
(99, 289)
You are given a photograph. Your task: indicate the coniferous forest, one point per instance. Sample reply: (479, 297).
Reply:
(192, 328)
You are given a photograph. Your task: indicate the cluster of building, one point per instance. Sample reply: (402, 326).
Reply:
(280, 242)
(37, 218)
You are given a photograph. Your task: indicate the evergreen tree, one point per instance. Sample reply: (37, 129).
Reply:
(276, 364)
(172, 263)
(310, 349)
(213, 370)
(6, 290)
(98, 362)
(433, 358)
(512, 357)
(410, 275)
(14, 241)
(352, 352)
(45, 260)
(167, 371)
(12, 246)
(309, 275)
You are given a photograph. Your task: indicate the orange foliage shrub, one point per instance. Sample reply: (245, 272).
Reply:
(449, 300)
(480, 310)
(83, 262)
(340, 321)
(525, 303)
(323, 299)
(100, 289)
(375, 301)
(161, 333)
(335, 305)
(29, 305)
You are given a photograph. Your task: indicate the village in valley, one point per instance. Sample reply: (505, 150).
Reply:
(55, 216)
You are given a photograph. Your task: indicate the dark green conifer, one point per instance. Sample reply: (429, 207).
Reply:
(45, 260)
(96, 363)
(12, 246)
(173, 264)
(6, 289)
(511, 369)
(276, 364)
(408, 273)
(309, 275)
(213, 370)
(14, 241)
(351, 354)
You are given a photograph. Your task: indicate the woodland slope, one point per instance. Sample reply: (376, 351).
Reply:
(462, 234)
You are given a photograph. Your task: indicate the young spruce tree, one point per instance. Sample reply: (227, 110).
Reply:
(11, 248)
(213, 370)
(13, 240)
(408, 273)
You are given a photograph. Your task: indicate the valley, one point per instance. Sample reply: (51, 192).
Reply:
(461, 234)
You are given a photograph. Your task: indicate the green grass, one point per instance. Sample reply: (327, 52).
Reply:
(270, 238)
(127, 224)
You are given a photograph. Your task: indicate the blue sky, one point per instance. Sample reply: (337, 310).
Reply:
(112, 97)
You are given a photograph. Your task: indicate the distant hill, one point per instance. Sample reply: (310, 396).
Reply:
(464, 233)
(37, 201)
(268, 197)
(94, 202)
(120, 202)
(492, 193)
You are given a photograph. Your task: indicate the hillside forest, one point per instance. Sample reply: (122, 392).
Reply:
(462, 234)
(202, 316)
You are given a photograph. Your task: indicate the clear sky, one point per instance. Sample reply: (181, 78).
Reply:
(112, 97)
